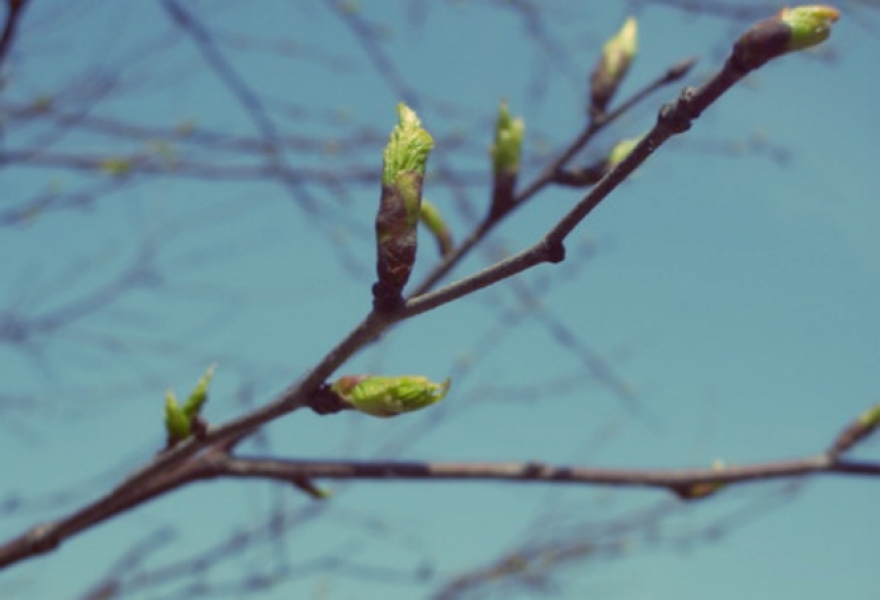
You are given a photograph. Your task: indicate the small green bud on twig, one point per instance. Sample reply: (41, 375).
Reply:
(506, 153)
(181, 422)
(612, 66)
(199, 395)
(403, 173)
(790, 30)
(856, 431)
(621, 150)
(383, 396)
(810, 25)
(433, 220)
(699, 491)
(871, 417)
(176, 422)
(591, 174)
(507, 148)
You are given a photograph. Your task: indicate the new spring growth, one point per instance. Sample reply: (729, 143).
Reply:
(507, 148)
(621, 150)
(179, 421)
(611, 68)
(433, 220)
(871, 417)
(859, 429)
(382, 396)
(176, 423)
(698, 491)
(505, 151)
(790, 30)
(403, 172)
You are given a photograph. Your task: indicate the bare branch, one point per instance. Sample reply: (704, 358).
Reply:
(14, 12)
(669, 479)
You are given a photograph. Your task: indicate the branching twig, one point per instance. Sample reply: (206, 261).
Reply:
(208, 455)
(547, 175)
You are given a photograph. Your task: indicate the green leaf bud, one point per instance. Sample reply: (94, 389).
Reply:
(790, 30)
(698, 491)
(382, 396)
(505, 152)
(507, 148)
(403, 172)
(621, 150)
(612, 66)
(860, 428)
(871, 417)
(408, 147)
(199, 395)
(810, 25)
(177, 424)
(433, 220)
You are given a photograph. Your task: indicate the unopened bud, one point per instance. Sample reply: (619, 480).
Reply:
(790, 30)
(506, 152)
(382, 396)
(621, 150)
(433, 220)
(612, 66)
(507, 148)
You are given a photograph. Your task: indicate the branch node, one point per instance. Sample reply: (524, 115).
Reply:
(679, 70)
(42, 539)
(386, 301)
(555, 252)
(677, 116)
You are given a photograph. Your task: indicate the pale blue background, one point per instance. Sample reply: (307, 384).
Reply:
(735, 294)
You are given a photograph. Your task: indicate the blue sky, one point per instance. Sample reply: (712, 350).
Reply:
(735, 294)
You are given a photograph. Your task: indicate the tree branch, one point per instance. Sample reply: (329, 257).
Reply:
(197, 458)
(13, 15)
(670, 479)
(596, 124)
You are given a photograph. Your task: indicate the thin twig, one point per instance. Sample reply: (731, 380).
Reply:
(13, 16)
(671, 479)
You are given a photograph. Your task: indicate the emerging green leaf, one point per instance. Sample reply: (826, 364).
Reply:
(621, 150)
(177, 424)
(871, 417)
(408, 147)
(179, 421)
(790, 30)
(612, 66)
(810, 25)
(403, 172)
(507, 148)
(433, 220)
(199, 395)
(389, 396)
